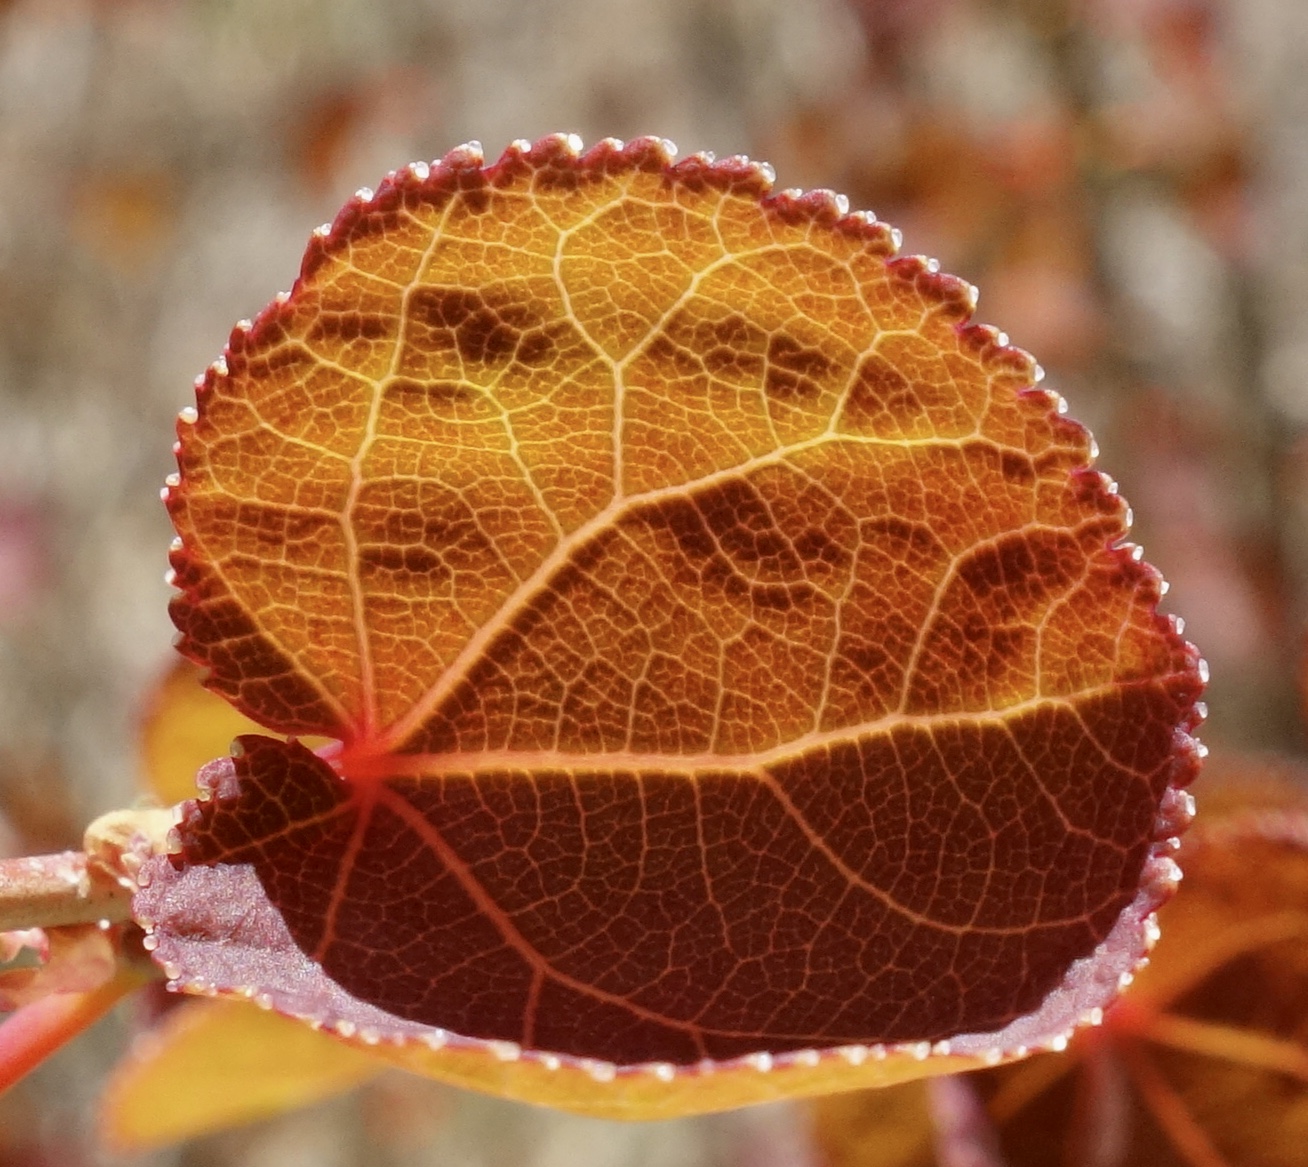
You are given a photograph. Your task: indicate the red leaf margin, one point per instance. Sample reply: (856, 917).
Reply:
(1091, 983)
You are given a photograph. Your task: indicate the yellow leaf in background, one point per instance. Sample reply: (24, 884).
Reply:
(876, 1128)
(213, 1064)
(184, 727)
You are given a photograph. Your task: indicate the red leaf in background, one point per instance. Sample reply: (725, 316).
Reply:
(732, 656)
(74, 959)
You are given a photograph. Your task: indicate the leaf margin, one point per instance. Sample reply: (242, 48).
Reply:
(647, 1090)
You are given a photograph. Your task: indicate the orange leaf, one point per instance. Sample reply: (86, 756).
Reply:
(213, 1064)
(740, 682)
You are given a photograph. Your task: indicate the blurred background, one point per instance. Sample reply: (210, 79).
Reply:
(1126, 181)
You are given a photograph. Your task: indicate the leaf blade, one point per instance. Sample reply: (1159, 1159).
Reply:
(750, 535)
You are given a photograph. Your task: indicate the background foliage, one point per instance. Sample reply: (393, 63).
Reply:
(1126, 181)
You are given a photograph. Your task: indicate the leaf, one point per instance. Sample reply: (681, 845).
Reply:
(190, 1074)
(78, 958)
(32, 1033)
(1216, 1040)
(185, 726)
(1203, 1062)
(875, 1128)
(734, 664)
(212, 1064)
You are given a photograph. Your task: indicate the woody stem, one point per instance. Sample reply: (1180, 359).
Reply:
(49, 891)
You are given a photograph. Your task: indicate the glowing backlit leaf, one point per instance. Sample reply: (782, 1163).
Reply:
(732, 657)
(211, 1064)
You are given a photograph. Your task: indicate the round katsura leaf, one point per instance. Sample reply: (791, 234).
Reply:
(741, 683)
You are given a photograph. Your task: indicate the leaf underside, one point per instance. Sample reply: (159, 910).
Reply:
(730, 651)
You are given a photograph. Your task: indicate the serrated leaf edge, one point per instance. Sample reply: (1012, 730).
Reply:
(464, 168)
